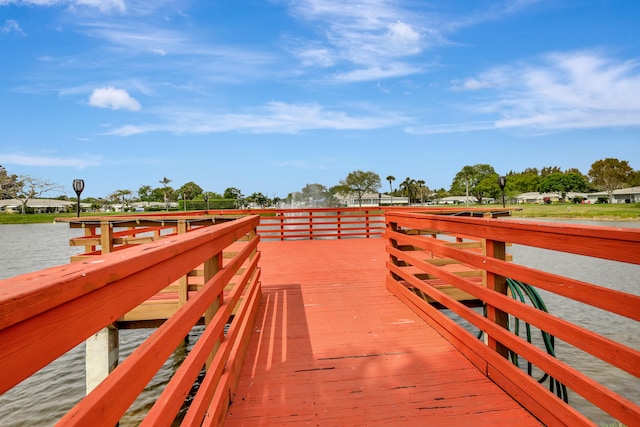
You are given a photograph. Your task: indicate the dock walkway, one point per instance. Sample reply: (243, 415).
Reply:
(332, 347)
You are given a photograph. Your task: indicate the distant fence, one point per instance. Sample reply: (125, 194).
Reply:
(422, 252)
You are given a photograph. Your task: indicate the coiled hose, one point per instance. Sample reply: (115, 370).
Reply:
(521, 291)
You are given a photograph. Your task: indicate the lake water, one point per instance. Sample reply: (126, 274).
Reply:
(48, 395)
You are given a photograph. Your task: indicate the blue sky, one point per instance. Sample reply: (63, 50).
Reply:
(268, 96)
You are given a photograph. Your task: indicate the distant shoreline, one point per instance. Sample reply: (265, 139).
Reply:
(602, 212)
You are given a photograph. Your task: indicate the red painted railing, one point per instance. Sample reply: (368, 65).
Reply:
(46, 313)
(317, 223)
(421, 254)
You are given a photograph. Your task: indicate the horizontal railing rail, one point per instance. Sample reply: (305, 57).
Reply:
(46, 313)
(122, 231)
(417, 243)
(318, 223)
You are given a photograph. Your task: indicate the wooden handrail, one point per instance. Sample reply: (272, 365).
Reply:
(406, 248)
(44, 314)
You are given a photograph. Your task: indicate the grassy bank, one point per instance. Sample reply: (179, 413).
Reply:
(604, 212)
(15, 218)
(622, 211)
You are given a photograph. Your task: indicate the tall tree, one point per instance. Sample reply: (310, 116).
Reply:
(234, 193)
(359, 183)
(469, 177)
(190, 190)
(422, 190)
(123, 197)
(165, 196)
(145, 193)
(611, 174)
(409, 189)
(27, 188)
(548, 170)
(562, 183)
(259, 199)
(9, 185)
(390, 178)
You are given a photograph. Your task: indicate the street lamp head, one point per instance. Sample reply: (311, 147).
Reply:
(78, 186)
(502, 181)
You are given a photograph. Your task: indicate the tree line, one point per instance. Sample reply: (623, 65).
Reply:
(479, 181)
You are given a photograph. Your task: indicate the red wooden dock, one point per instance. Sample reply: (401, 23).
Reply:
(331, 346)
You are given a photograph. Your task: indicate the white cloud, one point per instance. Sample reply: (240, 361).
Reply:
(26, 160)
(565, 90)
(376, 72)
(368, 34)
(101, 5)
(275, 117)
(116, 99)
(11, 26)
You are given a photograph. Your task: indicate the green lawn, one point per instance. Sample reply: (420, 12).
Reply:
(16, 218)
(620, 211)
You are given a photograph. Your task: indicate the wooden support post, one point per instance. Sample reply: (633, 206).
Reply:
(183, 282)
(496, 249)
(211, 267)
(106, 237)
(102, 352)
(393, 226)
(339, 225)
(89, 232)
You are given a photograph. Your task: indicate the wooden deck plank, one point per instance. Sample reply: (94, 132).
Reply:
(332, 346)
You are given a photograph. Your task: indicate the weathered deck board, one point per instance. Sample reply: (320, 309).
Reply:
(333, 347)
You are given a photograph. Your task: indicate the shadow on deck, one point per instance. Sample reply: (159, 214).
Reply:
(331, 346)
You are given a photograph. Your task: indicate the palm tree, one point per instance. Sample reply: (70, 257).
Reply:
(164, 183)
(408, 188)
(421, 189)
(391, 178)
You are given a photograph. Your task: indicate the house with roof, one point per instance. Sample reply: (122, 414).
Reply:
(539, 198)
(42, 206)
(622, 195)
(372, 199)
(462, 200)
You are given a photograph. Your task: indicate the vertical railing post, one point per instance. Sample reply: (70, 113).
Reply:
(496, 249)
(106, 237)
(310, 225)
(183, 282)
(282, 217)
(339, 224)
(393, 226)
(102, 350)
(90, 232)
(211, 267)
(368, 225)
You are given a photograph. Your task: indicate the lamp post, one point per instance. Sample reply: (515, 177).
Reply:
(502, 181)
(78, 186)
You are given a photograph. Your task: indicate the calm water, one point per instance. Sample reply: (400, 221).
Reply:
(48, 395)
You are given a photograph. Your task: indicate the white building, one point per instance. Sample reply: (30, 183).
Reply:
(42, 206)
(623, 195)
(372, 199)
(535, 197)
